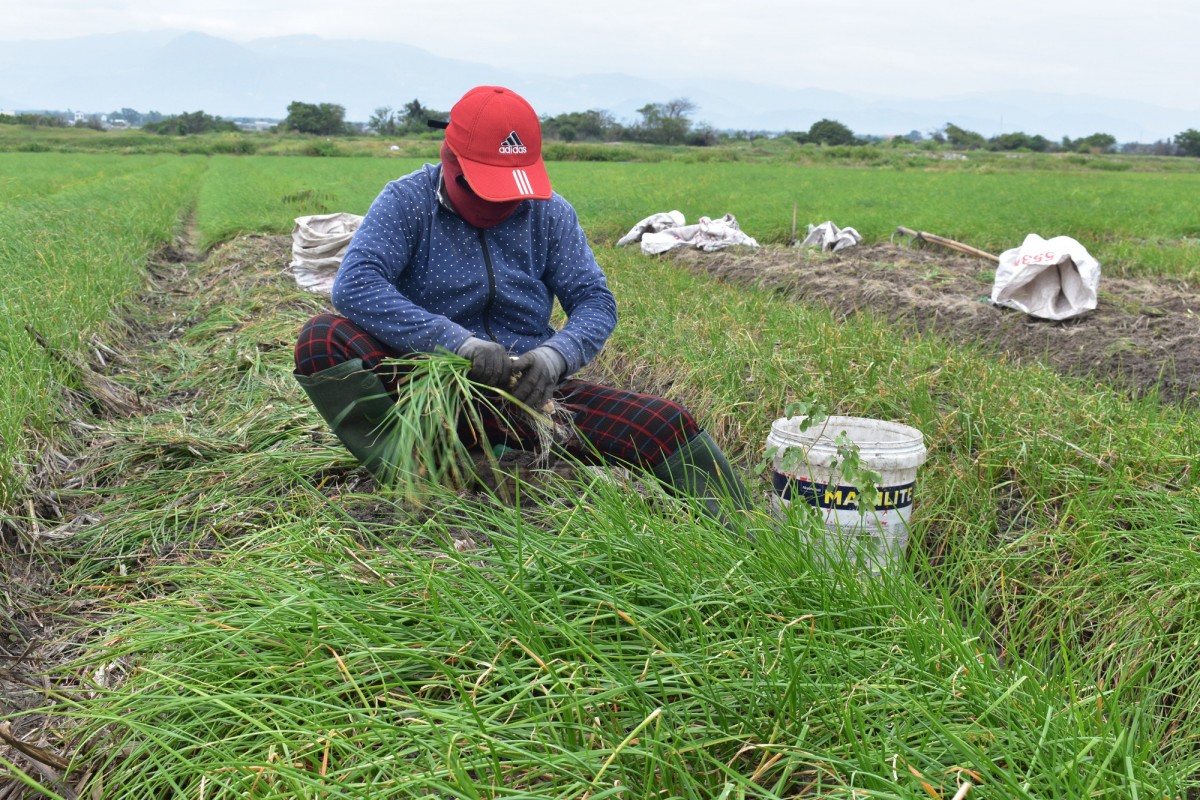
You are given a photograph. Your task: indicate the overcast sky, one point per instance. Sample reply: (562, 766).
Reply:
(1147, 49)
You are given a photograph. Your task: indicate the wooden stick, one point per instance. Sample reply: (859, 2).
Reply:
(32, 751)
(924, 236)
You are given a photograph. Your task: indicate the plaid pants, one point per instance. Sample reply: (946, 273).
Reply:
(620, 426)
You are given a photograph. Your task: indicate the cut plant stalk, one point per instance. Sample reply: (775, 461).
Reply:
(420, 440)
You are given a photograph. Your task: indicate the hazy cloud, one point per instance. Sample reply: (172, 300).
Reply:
(919, 48)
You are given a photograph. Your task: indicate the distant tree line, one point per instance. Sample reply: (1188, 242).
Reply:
(134, 118)
(661, 123)
(826, 131)
(831, 132)
(125, 117)
(189, 123)
(413, 118)
(34, 120)
(962, 139)
(667, 123)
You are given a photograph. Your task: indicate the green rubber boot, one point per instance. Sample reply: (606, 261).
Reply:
(356, 405)
(699, 469)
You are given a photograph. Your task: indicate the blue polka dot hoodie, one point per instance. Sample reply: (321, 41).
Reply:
(419, 278)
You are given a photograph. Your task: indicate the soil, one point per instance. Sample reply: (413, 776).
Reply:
(1143, 337)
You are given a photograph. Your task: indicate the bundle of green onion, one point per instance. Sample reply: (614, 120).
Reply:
(434, 434)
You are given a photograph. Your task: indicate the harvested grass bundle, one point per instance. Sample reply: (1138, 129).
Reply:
(436, 403)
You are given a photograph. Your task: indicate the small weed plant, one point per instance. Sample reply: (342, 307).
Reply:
(847, 463)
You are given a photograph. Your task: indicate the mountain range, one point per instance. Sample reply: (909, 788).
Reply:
(173, 71)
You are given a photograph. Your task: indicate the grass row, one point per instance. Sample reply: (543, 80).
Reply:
(70, 256)
(607, 651)
(25, 178)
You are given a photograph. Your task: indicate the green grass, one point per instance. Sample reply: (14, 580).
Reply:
(70, 255)
(598, 653)
(1134, 223)
(278, 634)
(26, 178)
(266, 194)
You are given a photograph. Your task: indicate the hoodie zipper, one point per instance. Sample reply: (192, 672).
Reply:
(491, 299)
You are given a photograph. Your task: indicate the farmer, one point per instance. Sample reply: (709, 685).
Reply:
(468, 256)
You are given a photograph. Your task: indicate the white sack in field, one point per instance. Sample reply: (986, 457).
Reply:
(830, 238)
(667, 231)
(318, 244)
(1052, 279)
(652, 224)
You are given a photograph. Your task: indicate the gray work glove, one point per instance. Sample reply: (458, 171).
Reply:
(540, 371)
(490, 363)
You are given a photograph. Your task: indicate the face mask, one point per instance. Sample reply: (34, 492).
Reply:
(468, 205)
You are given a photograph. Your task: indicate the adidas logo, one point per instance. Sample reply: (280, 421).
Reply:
(513, 145)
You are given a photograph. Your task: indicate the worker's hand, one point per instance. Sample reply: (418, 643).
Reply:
(539, 372)
(490, 363)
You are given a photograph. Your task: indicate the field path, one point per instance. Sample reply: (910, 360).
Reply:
(1144, 335)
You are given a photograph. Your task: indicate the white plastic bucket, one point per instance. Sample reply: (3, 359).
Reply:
(875, 539)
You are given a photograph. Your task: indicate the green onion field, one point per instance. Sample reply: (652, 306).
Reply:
(204, 597)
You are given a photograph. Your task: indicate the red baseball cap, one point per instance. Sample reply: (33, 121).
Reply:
(498, 140)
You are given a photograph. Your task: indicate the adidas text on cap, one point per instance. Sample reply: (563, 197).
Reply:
(498, 140)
